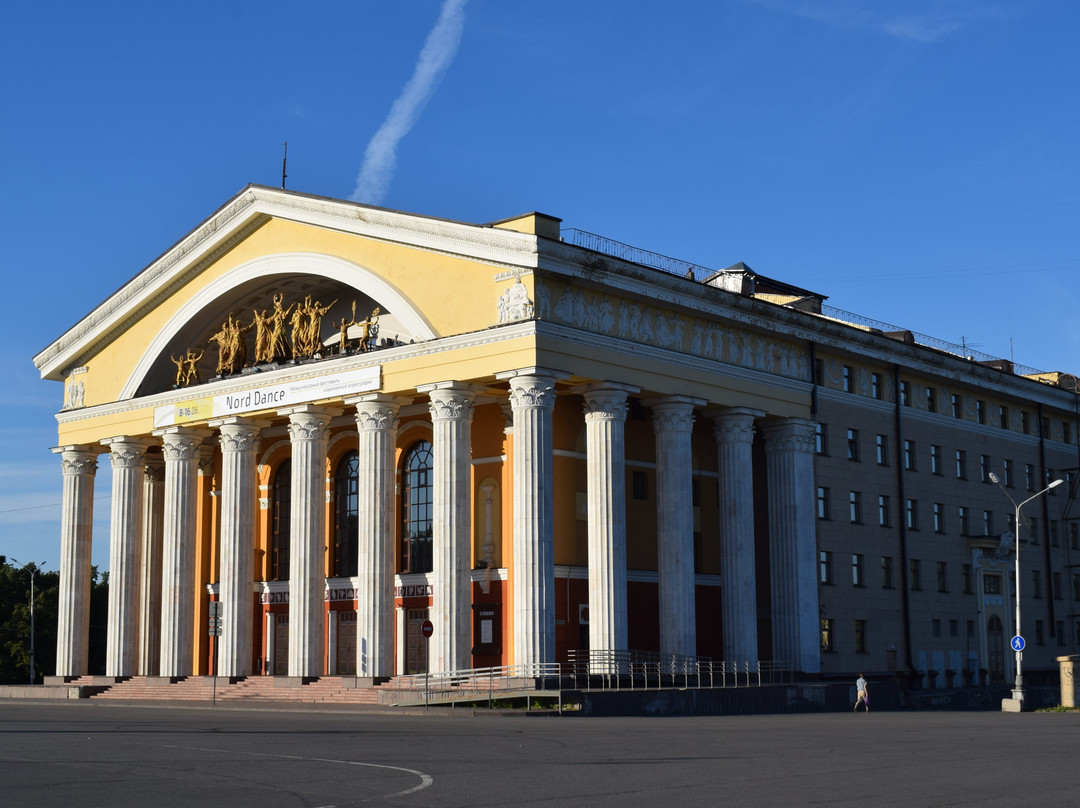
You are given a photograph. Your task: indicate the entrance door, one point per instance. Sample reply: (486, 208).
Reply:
(415, 642)
(995, 650)
(346, 643)
(281, 645)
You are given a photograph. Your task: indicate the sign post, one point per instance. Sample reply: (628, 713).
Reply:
(214, 630)
(427, 629)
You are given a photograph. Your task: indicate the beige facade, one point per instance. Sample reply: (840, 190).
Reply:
(541, 449)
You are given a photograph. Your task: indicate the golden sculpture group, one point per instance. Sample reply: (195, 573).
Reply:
(305, 335)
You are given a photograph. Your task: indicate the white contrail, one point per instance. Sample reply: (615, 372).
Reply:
(381, 156)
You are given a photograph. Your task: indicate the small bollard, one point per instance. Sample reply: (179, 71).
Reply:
(1069, 667)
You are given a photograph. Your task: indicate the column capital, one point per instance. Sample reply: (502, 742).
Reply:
(450, 401)
(735, 424)
(533, 391)
(238, 434)
(674, 413)
(78, 461)
(377, 412)
(308, 422)
(605, 401)
(181, 442)
(154, 469)
(789, 434)
(126, 452)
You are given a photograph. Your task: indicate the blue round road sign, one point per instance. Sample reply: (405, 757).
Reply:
(1017, 643)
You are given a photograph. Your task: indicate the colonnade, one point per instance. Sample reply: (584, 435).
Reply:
(154, 528)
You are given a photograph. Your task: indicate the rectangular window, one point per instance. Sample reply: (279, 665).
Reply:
(909, 455)
(821, 441)
(881, 447)
(1036, 584)
(886, 575)
(931, 399)
(965, 520)
(823, 503)
(912, 511)
(942, 576)
(967, 579)
(883, 510)
(991, 584)
(988, 523)
(984, 468)
(905, 394)
(939, 517)
(915, 574)
(855, 507)
(1049, 479)
(980, 411)
(849, 381)
(853, 444)
(857, 578)
(1033, 530)
(1003, 416)
(875, 386)
(1029, 477)
(827, 635)
(957, 402)
(1007, 467)
(935, 459)
(961, 464)
(860, 636)
(825, 566)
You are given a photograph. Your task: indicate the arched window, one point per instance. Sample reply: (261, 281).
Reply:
(279, 540)
(416, 492)
(346, 540)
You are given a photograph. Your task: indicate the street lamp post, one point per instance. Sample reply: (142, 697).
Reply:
(33, 574)
(1018, 685)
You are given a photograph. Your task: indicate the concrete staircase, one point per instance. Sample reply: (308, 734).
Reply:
(251, 689)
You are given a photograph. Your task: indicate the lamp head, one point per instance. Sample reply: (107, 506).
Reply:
(993, 477)
(1056, 483)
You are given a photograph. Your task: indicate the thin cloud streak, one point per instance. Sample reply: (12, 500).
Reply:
(438, 52)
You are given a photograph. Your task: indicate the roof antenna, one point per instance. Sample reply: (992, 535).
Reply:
(284, 159)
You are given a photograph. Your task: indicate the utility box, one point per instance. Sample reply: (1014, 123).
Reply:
(1069, 671)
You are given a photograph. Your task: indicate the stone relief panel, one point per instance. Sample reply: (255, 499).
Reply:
(514, 304)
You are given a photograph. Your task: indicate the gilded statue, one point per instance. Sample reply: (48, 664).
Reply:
(187, 368)
(369, 329)
(276, 348)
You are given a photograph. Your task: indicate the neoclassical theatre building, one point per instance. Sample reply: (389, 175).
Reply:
(329, 423)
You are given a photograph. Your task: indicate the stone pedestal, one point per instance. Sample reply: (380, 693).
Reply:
(78, 464)
(1069, 672)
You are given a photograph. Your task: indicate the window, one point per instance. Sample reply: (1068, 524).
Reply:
(853, 444)
(905, 394)
(875, 385)
(935, 459)
(988, 523)
(827, 635)
(279, 540)
(860, 636)
(984, 468)
(883, 510)
(638, 482)
(915, 574)
(961, 464)
(1003, 416)
(965, 521)
(849, 373)
(346, 527)
(1036, 584)
(1049, 479)
(931, 399)
(980, 411)
(855, 507)
(1025, 422)
(991, 584)
(967, 579)
(939, 517)
(857, 578)
(825, 566)
(1033, 529)
(881, 446)
(886, 573)
(1007, 467)
(942, 576)
(822, 503)
(957, 402)
(821, 439)
(909, 455)
(1056, 582)
(1029, 476)
(912, 511)
(416, 506)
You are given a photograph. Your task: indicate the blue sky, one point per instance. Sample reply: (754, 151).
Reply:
(916, 161)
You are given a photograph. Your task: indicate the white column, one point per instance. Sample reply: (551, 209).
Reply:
(532, 399)
(376, 423)
(127, 456)
(309, 429)
(451, 406)
(673, 421)
(239, 441)
(734, 449)
(180, 447)
(150, 573)
(789, 448)
(605, 446)
(78, 464)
